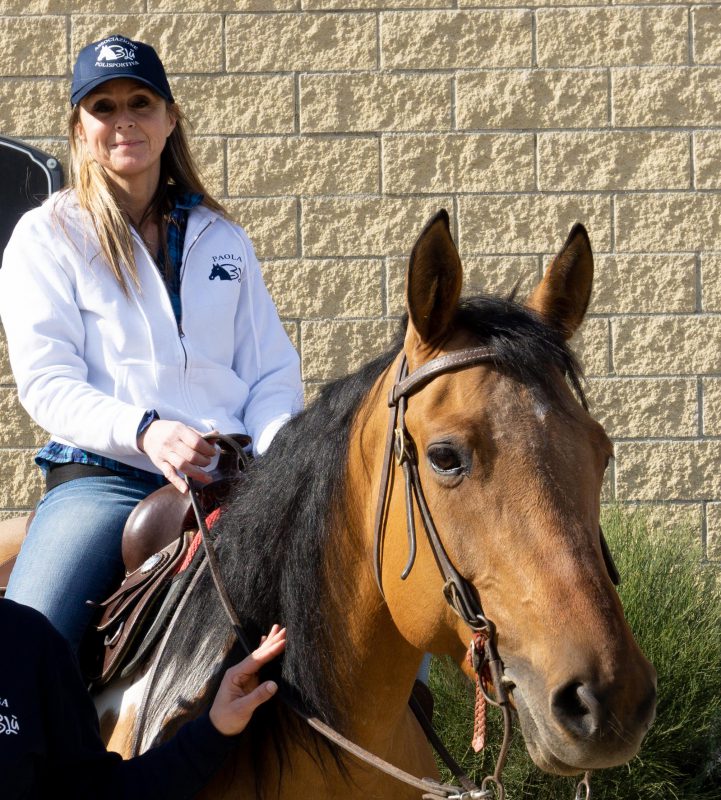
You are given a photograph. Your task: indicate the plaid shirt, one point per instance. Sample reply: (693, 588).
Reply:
(56, 453)
(177, 225)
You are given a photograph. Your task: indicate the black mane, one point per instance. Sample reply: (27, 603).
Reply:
(524, 345)
(275, 536)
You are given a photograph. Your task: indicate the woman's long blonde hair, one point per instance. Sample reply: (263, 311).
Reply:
(94, 194)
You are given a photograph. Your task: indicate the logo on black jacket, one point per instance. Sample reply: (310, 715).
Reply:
(9, 725)
(227, 267)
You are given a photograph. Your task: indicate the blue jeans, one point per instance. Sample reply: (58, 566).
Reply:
(424, 671)
(72, 551)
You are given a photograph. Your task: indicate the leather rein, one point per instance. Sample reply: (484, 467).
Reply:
(458, 592)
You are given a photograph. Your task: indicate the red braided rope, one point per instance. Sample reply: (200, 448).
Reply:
(210, 520)
(478, 741)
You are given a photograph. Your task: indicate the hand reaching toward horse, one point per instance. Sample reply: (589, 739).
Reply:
(240, 693)
(175, 448)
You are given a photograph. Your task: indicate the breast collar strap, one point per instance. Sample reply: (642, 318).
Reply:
(456, 589)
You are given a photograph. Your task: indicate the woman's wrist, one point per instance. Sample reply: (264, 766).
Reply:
(148, 419)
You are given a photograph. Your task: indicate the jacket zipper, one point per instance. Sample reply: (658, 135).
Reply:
(181, 333)
(179, 324)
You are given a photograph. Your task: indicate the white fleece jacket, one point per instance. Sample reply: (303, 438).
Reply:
(89, 362)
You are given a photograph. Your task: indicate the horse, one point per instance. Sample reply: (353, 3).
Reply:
(511, 465)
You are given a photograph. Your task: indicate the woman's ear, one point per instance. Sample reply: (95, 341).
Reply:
(172, 118)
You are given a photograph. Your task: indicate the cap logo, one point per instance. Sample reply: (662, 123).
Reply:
(122, 54)
(116, 56)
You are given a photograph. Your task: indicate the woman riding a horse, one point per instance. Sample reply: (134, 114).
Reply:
(447, 491)
(123, 346)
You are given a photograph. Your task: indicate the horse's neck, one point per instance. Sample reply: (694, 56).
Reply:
(379, 677)
(375, 705)
(382, 675)
(385, 664)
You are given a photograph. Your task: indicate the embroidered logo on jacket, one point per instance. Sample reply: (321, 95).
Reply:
(227, 267)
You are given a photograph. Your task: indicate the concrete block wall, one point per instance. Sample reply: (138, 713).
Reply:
(333, 128)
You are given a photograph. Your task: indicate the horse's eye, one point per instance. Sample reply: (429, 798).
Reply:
(445, 460)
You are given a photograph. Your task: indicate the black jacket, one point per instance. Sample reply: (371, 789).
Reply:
(50, 745)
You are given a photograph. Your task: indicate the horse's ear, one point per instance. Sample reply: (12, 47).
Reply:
(433, 282)
(563, 294)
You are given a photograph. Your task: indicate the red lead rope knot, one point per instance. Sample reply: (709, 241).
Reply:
(479, 716)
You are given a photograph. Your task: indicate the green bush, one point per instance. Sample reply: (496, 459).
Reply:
(673, 605)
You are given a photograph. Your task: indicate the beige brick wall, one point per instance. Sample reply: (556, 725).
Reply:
(333, 128)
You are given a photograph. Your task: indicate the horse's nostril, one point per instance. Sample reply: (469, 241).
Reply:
(647, 708)
(578, 709)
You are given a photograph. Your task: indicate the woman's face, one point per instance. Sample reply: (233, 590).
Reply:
(125, 125)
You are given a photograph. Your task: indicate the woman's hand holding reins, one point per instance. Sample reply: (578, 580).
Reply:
(175, 448)
(240, 692)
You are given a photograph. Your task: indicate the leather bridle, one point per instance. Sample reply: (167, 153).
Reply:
(458, 592)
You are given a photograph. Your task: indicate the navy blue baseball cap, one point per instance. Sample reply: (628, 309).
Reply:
(118, 57)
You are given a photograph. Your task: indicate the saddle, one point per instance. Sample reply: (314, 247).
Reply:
(160, 552)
